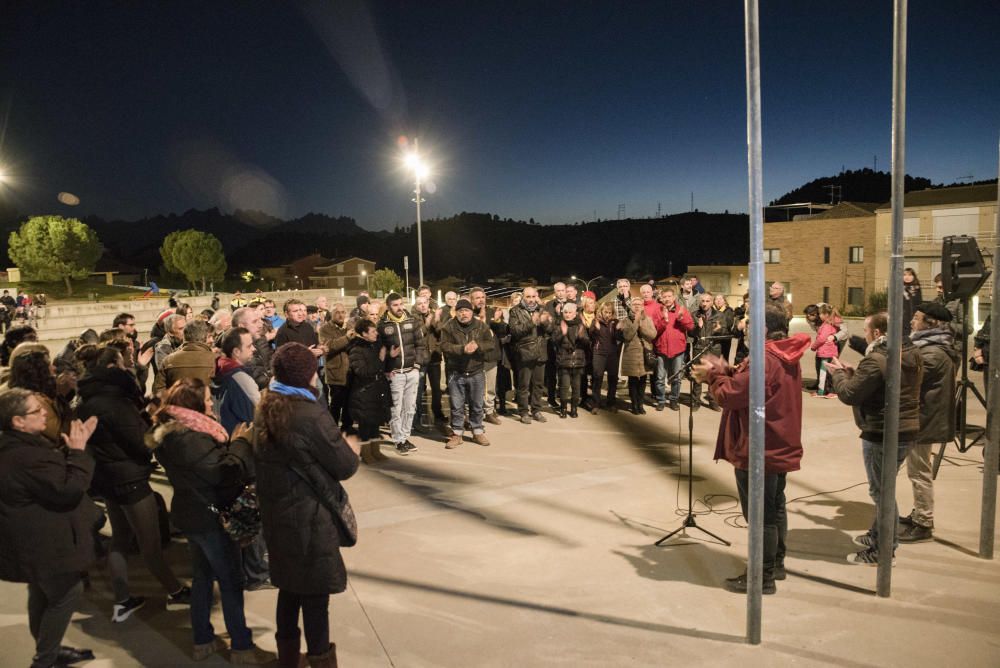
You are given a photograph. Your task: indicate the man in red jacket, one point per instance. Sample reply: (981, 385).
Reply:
(671, 344)
(782, 431)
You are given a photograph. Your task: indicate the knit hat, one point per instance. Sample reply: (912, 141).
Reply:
(934, 310)
(463, 303)
(294, 365)
(590, 295)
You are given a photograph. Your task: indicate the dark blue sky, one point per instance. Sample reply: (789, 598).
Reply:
(550, 110)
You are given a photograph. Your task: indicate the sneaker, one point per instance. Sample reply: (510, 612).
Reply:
(409, 446)
(445, 429)
(260, 586)
(453, 442)
(867, 557)
(538, 417)
(122, 611)
(916, 533)
(738, 585)
(480, 439)
(906, 521)
(255, 656)
(402, 449)
(660, 406)
(179, 599)
(866, 540)
(205, 650)
(525, 419)
(492, 418)
(673, 405)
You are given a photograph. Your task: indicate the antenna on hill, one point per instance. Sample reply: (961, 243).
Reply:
(967, 177)
(621, 210)
(836, 193)
(659, 209)
(875, 160)
(692, 200)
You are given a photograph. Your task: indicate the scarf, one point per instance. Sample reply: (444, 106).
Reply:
(200, 422)
(939, 335)
(880, 341)
(291, 390)
(391, 318)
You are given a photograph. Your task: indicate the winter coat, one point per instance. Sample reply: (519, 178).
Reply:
(259, 366)
(638, 337)
(302, 332)
(406, 335)
(571, 348)
(937, 389)
(117, 445)
(46, 518)
(782, 407)
(299, 528)
(335, 338)
(369, 396)
(501, 335)
(671, 340)
(235, 393)
(529, 340)
(191, 360)
(711, 325)
(491, 356)
(431, 332)
(201, 471)
(821, 346)
(455, 336)
(605, 338)
(163, 348)
(865, 391)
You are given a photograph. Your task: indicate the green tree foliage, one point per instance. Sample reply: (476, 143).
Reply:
(878, 302)
(198, 256)
(52, 248)
(386, 281)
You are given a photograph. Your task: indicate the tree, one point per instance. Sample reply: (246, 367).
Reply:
(386, 281)
(198, 256)
(52, 248)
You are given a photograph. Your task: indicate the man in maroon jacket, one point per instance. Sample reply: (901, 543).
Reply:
(782, 431)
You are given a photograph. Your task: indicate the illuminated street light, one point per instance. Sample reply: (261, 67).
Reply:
(420, 171)
(364, 275)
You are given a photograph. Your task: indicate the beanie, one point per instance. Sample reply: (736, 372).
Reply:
(935, 310)
(294, 365)
(463, 303)
(590, 295)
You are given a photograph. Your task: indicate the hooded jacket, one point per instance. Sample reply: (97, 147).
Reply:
(782, 407)
(235, 393)
(937, 388)
(865, 391)
(405, 334)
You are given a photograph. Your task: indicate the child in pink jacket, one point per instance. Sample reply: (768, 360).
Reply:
(825, 345)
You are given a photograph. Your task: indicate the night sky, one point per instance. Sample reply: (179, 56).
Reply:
(551, 110)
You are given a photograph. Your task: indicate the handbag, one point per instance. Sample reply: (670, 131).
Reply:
(241, 518)
(649, 357)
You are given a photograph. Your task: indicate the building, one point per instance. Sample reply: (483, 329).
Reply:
(349, 273)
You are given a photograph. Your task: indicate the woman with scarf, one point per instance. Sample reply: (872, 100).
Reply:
(301, 458)
(570, 340)
(204, 471)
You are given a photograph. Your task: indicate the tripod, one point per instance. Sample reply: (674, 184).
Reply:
(689, 519)
(961, 399)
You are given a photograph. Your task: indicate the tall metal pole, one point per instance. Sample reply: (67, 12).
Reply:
(420, 238)
(887, 515)
(755, 555)
(991, 452)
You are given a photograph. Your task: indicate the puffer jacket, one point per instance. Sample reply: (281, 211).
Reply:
(455, 336)
(299, 528)
(864, 390)
(118, 444)
(637, 337)
(529, 341)
(46, 518)
(571, 347)
(201, 470)
(405, 334)
(937, 389)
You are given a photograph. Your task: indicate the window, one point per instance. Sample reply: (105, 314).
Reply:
(340, 281)
(340, 269)
(856, 297)
(826, 293)
(826, 256)
(361, 267)
(857, 254)
(772, 255)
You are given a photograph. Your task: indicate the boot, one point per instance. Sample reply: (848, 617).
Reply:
(370, 453)
(327, 660)
(573, 412)
(376, 450)
(289, 655)
(562, 409)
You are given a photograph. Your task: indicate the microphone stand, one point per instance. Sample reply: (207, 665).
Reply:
(689, 520)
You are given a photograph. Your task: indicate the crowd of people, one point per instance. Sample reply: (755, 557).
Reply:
(257, 414)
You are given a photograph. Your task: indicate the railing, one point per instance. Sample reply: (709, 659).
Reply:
(984, 239)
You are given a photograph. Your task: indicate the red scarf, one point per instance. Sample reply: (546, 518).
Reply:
(196, 421)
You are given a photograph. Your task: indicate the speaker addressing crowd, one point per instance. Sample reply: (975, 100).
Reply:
(258, 417)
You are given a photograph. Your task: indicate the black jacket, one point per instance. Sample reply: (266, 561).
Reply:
(369, 396)
(937, 388)
(299, 529)
(407, 335)
(571, 348)
(302, 332)
(259, 366)
(46, 517)
(201, 470)
(118, 444)
(529, 340)
(711, 325)
(455, 336)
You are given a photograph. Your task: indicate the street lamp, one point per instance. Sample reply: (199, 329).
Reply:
(586, 283)
(364, 274)
(420, 172)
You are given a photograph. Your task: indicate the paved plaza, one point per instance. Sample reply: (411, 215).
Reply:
(538, 551)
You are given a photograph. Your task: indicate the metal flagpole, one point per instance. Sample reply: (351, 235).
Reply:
(755, 556)
(887, 516)
(991, 451)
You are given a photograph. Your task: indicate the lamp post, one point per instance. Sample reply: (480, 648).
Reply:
(420, 172)
(586, 284)
(364, 274)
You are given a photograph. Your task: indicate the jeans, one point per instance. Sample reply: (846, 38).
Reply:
(254, 559)
(569, 386)
(466, 390)
(921, 475)
(315, 619)
(530, 382)
(872, 454)
(605, 364)
(214, 556)
(403, 386)
(51, 602)
(668, 367)
(141, 518)
(775, 517)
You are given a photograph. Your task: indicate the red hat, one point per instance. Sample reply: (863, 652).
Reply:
(590, 293)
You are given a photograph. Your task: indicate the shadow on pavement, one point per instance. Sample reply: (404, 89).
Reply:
(693, 561)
